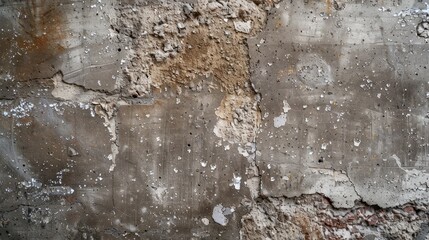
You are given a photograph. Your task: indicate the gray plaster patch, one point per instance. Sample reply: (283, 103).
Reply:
(219, 214)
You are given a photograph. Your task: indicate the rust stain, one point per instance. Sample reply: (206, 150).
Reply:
(328, 7)
(41, 24)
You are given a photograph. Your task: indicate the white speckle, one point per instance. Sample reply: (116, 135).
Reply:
(266, 114)
(143, 210)
(356, 142)
(227, 147)
(236, 181)
(204, 164)
(324, 145)
(22, 110)
(205, 221)
(328, 108)
(212, 167)
(286, 106)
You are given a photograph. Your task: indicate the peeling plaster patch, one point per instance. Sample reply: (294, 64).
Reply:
(238, 119)
(335, 185)
(313, 217)
(248, 151)
(65, 91)
(110, 124)
(185, 41)
(390, 185)
(78, 94)
(281, 120)
(220, 213)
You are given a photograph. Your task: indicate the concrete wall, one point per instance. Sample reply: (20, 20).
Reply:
(214, 119)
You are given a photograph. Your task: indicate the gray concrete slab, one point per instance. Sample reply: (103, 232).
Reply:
(341, 91)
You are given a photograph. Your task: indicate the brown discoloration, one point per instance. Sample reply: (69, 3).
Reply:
(41, 35)
(225, 59)
(312, 217)
(328, 6)
(310, 232)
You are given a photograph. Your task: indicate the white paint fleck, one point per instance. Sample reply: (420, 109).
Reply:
(281, 120)
(356, 142)
(242, 151)
(219, 213)
(236, 181)
(218, 216)
(324, 145)
(205, 221)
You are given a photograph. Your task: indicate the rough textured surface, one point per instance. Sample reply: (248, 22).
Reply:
(355, 105)
(313, 217)
(244, 119)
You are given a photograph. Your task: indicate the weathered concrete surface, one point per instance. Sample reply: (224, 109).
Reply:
(152, 166)
(41, 38)
(344, 100)
(213, 120)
